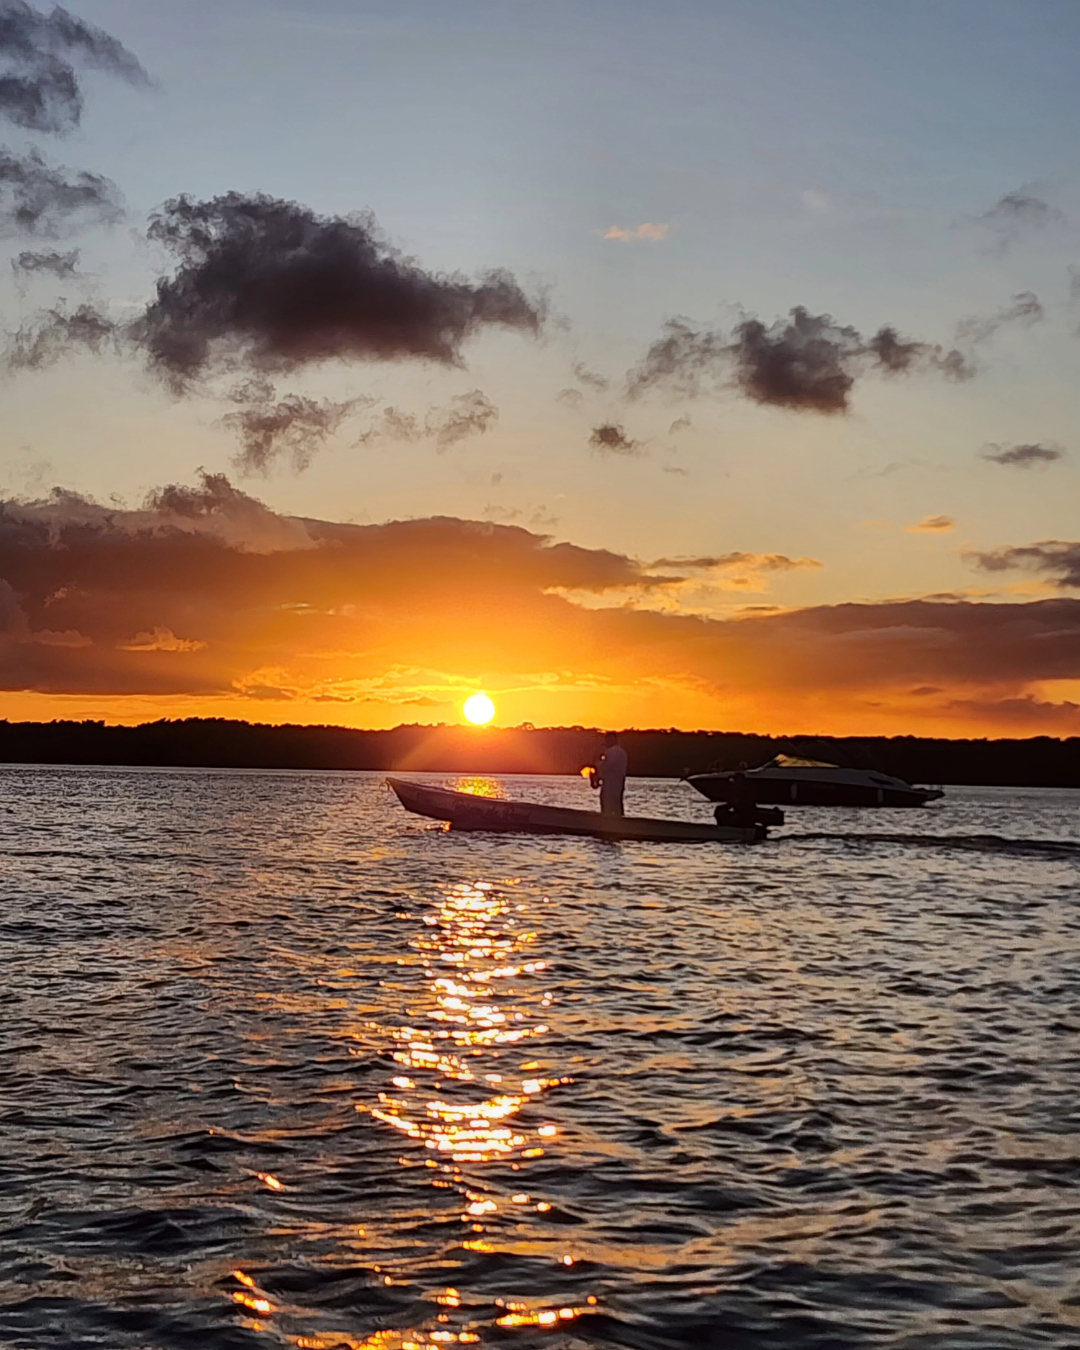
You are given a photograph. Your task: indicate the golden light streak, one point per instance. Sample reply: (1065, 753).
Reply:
(461, 1096)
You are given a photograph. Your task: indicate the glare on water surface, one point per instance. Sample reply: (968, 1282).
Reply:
(466, 1069)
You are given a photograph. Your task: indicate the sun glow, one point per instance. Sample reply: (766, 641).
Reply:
(478, 709)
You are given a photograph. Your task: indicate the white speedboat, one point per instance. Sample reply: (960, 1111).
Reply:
(789, 780)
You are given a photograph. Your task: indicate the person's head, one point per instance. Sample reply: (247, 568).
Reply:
(611, 738)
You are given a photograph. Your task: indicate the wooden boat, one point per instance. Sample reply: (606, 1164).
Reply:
(466, 811)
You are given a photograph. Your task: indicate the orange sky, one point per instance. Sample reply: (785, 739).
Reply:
(758, 412)
(208, 603)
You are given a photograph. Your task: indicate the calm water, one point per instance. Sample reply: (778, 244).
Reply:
(284, 1066)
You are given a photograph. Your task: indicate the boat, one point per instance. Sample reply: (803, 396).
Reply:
(789, 780)
(467, 811)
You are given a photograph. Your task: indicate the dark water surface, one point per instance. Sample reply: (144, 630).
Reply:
(282, 1065)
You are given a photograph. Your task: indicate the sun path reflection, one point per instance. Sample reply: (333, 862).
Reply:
(467, 1079)
(465, 1095)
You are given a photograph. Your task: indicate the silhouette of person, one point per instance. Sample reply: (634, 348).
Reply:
(740, 807)
(742, 798)
(610, 776)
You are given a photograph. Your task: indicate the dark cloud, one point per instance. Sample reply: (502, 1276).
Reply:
(1017, 214)
(58, 333)
(803, 363)
(684, 360)
(680, 424)
(269, 427)
(899, 356)
(609, 438)
(269, 286)
(1057, 559)
(39, 54)
(63, 266)
(1024, 309)
(573, 398)
(37, 199)
(1023, 456)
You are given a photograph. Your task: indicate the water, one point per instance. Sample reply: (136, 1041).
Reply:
(282, 1065)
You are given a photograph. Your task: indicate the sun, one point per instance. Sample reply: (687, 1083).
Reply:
(479, 709)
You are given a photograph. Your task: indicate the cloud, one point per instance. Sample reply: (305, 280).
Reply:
(58, 333)
(897, 356)
(465, 415)
(297, 610)
(679, 424)
(762, 562)
(610, 438)
(39, 53)
(801, 364)
(1017, 214)
(1023, 456)
(806, 363)
(646, 231)
(37, 199)
(589, 378)
(269, 428)
(1028, 714)
(161, 640)
(932, 525)
(1057, 559)
(63, 266)
(573, 398)
(269, 286)
(1024, 309)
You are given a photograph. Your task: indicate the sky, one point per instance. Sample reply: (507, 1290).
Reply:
(710, 365)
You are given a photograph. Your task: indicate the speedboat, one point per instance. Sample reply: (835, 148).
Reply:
(468, 811)
(791, 781)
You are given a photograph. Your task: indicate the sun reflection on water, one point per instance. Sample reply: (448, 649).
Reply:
(465, 1095)
(463, 1029)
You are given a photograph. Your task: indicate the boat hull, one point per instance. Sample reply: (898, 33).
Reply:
(811, 792)
(464, 811)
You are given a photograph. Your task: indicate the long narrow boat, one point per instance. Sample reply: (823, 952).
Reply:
(466, 811)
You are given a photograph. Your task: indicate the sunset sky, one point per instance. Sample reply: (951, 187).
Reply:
(710, 364)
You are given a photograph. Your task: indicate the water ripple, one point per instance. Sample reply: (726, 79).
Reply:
(284, 1066)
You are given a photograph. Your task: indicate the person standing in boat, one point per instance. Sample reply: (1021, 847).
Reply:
(610, 776)
(740, 807)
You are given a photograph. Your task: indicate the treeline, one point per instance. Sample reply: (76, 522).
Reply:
(1039, 761)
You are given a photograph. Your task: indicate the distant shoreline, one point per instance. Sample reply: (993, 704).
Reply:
(1039, 761)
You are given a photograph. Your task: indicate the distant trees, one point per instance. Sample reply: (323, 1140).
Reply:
(1040, 761)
